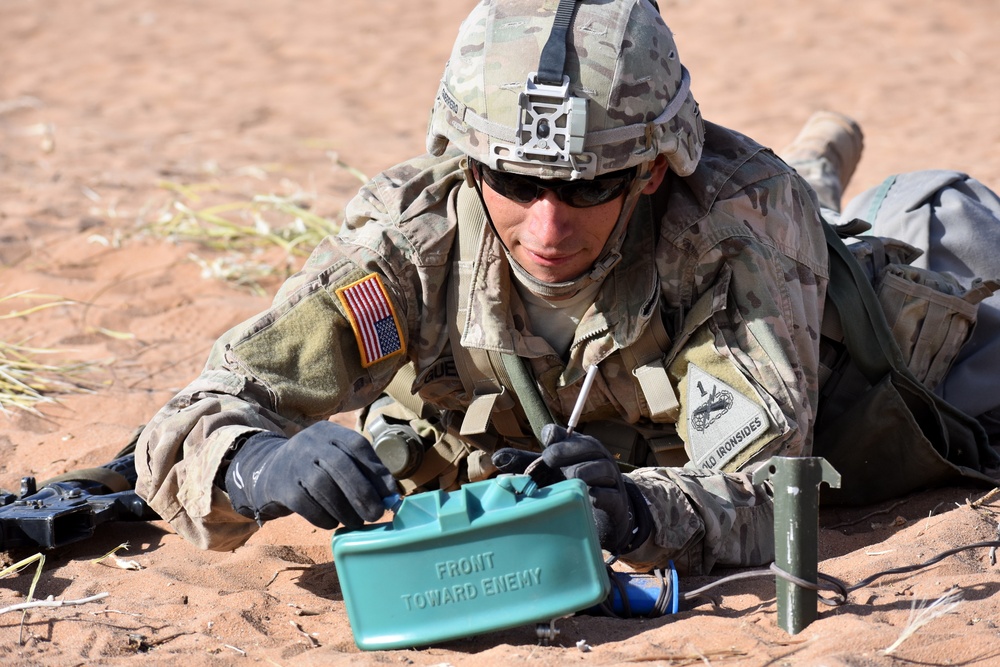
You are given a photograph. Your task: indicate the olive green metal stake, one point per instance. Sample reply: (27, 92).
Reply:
(796, 531)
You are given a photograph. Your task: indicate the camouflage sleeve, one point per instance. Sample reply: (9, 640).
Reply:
(774, 320)
(747, 373)
(297, 363)
(703, 518)
(748, 358)
(182, 448)
(316, 352)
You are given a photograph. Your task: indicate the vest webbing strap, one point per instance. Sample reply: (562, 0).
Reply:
(401, 389)
(981, 289)
(487, 375)
(524, 386)
(644, 359)
(644, 356)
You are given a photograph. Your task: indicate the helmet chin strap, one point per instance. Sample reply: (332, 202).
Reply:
(608, 259)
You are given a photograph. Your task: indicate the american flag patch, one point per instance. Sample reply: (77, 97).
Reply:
(373, 319)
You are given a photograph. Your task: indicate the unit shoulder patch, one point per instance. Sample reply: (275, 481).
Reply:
(376, 326)
(722, 422)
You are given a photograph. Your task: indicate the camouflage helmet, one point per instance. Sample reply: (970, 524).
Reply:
(624, 97)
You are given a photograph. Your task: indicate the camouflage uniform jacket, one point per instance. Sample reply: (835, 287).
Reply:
(732, 258)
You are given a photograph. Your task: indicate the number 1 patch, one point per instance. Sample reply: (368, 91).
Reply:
(373, 318)
(722, 422)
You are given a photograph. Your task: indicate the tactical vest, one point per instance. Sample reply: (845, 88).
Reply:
(506, 408)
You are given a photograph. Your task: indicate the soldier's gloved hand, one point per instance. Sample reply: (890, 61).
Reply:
(620, 511)
(327, 473)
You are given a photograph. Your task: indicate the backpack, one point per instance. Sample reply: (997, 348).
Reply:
(892, 332)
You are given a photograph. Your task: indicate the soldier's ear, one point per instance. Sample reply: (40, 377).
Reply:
(660, 167)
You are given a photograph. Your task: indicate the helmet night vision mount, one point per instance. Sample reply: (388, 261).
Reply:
(552, 128)
(552, 125)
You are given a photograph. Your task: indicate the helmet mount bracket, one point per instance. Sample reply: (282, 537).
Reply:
(551, 129)
(552, 124)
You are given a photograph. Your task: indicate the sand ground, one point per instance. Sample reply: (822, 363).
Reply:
(114, 115)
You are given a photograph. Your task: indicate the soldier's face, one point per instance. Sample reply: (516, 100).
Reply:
(552, 240)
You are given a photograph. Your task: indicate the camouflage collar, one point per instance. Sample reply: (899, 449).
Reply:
(626, 301)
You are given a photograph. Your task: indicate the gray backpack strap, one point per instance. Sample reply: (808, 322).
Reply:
(878, 197)
(899, 436)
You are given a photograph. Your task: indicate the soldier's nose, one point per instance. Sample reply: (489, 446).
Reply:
(551, 218)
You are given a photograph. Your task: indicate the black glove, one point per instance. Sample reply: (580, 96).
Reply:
(620, 511)
(327, 473)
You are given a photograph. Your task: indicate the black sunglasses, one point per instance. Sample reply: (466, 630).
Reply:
(578, 194)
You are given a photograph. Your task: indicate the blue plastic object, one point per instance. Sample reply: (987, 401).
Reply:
(495, 554)
(643, 593)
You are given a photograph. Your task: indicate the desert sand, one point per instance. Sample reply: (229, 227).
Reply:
(115, 116)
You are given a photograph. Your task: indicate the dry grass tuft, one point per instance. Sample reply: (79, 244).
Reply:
(921, 614)
(297, 230)
(24, 380)
(37, 558)
(245, 230)
(250, 231)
